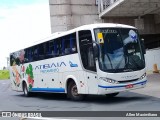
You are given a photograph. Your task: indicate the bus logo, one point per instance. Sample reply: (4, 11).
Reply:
(72, 65)
(47, 66)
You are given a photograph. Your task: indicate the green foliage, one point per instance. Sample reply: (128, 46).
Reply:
(4, 74)
(30, 87)
(29, 71)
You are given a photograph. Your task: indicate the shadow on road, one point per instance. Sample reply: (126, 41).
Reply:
(100, 99)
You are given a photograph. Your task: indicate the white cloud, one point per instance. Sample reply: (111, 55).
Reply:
(21, 26)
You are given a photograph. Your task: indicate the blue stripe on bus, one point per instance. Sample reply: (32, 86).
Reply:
(48, 89)
(119, 86)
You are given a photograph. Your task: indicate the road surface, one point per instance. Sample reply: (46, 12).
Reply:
(146, 99)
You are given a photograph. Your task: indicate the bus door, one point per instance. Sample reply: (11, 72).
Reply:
(88, 61)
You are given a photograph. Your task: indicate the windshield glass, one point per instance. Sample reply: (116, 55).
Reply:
(120, 50)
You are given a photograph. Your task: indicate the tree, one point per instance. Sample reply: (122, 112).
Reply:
(4, 68)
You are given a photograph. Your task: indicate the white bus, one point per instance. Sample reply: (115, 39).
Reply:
(102, 59)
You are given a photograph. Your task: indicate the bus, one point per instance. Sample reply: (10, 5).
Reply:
(98, 59)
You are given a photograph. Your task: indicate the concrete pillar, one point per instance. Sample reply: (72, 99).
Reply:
(68, 14)
(60, 12)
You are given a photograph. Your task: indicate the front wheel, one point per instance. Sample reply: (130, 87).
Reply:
(111, 95)
(72, 92)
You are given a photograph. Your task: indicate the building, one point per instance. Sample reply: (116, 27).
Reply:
(68, 14)
(143, 14)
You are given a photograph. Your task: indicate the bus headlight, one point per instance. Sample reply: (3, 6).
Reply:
(144, 75)
(108, 80)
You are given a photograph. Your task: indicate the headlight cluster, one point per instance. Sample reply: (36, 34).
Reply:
(144, 75)
(108, 80)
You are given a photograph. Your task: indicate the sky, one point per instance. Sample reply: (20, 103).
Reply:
(22, 22)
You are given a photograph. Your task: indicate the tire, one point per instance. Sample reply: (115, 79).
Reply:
(72, 92)
(111, 95)
(25, 90)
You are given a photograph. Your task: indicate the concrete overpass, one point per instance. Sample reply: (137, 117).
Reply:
(128, 7)
(143, 14)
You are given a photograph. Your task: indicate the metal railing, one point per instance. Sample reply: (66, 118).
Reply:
(103, 4)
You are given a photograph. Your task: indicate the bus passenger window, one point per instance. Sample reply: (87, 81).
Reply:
(74, 43)
(74, 48)
(67, 48)
(46, 50)
(69, 44)
(35, 53)
(30, 54)
(51, 49)
(57, 47)
(41, 51)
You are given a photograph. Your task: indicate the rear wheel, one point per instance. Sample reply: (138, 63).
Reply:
(72, 92)
(111, 95)
(25, 90)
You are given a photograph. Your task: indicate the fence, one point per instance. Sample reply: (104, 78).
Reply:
(103, 4)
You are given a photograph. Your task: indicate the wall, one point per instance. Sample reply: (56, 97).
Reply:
(68, 14)
(157, 21)
(152, 57)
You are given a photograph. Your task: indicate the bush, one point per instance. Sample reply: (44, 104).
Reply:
(4, 74)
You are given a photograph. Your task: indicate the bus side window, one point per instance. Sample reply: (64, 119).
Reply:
(86, 50)
(11, 60)
(51, 49)
(26, 56)
(69, 45)
(35, 53)
(57, 47)
(41, 51)
(46, 50)
(30, 55)
(73, 43)
(66, 44)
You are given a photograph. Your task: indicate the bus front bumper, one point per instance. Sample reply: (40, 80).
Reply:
(121, 87)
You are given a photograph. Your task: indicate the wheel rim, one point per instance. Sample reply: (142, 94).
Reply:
(74, 91)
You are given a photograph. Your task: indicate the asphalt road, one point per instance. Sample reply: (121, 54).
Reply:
(146, 99)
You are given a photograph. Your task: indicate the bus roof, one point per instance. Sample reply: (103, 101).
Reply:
(84, 27)
(102, 25)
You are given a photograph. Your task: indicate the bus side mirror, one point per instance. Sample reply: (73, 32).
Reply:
(96, 49)
(143, 47)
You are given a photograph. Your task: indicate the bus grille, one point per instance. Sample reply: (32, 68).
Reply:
(127, 81)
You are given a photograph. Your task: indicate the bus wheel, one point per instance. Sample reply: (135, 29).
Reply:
(25, 90)
(72, 92)
(111, 95)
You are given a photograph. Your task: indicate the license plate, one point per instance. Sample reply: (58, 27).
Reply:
(129, 86)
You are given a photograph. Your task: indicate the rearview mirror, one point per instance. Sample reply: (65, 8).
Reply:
(96, 49)
(143, 46)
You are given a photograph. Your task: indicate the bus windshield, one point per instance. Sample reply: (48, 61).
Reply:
(119, 50)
